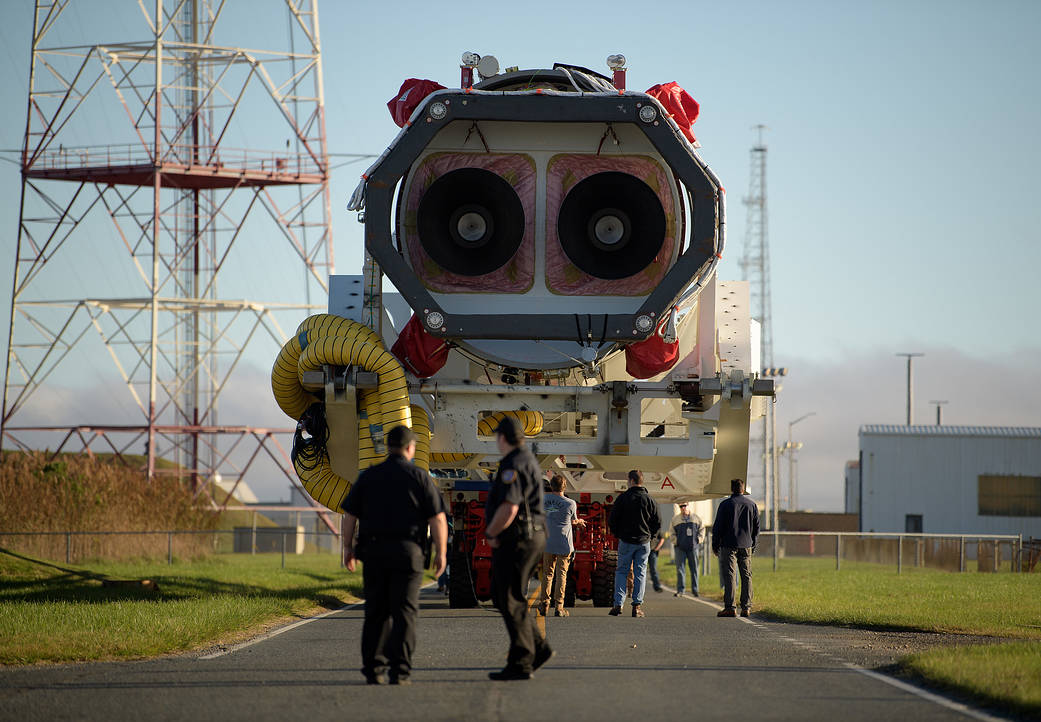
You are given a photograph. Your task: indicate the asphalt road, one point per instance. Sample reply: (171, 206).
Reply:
(680, 662)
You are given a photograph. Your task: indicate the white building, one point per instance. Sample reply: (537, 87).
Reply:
(950, 479)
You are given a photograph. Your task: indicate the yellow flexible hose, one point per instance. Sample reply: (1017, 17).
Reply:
(326, 339)
(443, 457)
(421, 427)
(532, 422)
(285, 384)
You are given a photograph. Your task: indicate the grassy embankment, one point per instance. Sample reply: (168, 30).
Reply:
(871, 596)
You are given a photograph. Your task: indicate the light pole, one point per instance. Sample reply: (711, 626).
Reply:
(910, 387)
(939, 411)
(771, 491)
(791, 460)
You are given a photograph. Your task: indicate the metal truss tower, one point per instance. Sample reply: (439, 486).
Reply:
(755, 267)
(165, 182)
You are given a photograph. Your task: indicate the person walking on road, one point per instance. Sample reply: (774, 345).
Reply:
(561, 515)
(516, 532)
(390, 506)
(734, 536)
(634, 519)
(688, 533)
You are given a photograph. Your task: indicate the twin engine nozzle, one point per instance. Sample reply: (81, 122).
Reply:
(565, 224)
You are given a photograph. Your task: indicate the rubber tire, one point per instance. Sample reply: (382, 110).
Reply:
(461, 593)
(603, 580)
(570, 585)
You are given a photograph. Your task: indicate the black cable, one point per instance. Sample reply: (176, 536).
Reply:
(310, 452)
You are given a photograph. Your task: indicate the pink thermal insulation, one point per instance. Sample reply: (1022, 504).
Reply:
(562, 276)
(518, 274)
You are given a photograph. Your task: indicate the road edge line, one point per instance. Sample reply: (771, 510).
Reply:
(275, 632)
(925, 694)
(892, 681)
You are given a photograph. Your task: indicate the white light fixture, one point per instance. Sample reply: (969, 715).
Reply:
(488, 66)
(644, 323)
(616, 62)
(470, 59)
(648, 113)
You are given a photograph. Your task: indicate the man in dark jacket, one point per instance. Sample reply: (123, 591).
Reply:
(391, 505)
(634, 520)
(734, 535)
(516, 533)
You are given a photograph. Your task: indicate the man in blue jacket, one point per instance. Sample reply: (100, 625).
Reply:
(734, 535)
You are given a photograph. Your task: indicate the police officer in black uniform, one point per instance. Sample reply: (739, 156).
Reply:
(393, 501)
(516, 532)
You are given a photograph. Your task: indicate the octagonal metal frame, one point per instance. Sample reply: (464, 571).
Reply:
(705, 198)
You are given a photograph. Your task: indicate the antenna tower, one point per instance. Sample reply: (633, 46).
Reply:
(165, 180)
(755, 268)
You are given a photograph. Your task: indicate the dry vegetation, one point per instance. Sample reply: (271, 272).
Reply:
(80, 494)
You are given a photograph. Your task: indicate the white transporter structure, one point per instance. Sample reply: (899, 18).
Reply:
(556, 238)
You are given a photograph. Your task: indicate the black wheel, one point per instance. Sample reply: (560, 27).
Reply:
(461, 593)
(603, 580)
(569, 588)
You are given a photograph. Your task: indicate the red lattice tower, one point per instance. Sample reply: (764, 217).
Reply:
(205, 163)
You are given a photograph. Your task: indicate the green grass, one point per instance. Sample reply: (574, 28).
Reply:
(1004, 675)
(51, 615)
(872, 596)
(875, 596)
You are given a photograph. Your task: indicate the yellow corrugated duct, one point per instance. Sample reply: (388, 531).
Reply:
(421, 426)
(442, 457)
(285, 384)
(326, 339)
(354, 351)
(532, 422)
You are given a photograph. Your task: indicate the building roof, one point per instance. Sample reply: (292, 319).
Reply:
(1014, 432)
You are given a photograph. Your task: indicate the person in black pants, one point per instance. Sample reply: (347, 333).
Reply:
(734, 536)
(391, 505)
(516, 532)
(657, 542)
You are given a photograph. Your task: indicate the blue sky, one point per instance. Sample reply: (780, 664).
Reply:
(902, 172)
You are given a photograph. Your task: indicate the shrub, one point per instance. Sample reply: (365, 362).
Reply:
(83, 494)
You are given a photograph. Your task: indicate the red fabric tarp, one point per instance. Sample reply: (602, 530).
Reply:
(420, 353)
(652, 356)
(410, 95)
(683, 108)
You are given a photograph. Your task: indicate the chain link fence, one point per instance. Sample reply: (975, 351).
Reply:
(76, 547)
(947, 552)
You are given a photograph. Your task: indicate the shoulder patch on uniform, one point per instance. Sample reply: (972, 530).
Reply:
(509, 476)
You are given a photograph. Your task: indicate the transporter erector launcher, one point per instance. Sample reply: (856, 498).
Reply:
(555, 237)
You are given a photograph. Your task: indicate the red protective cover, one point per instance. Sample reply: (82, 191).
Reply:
(420, 353)
(683, 108)
(410, 95)
(652, 356)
